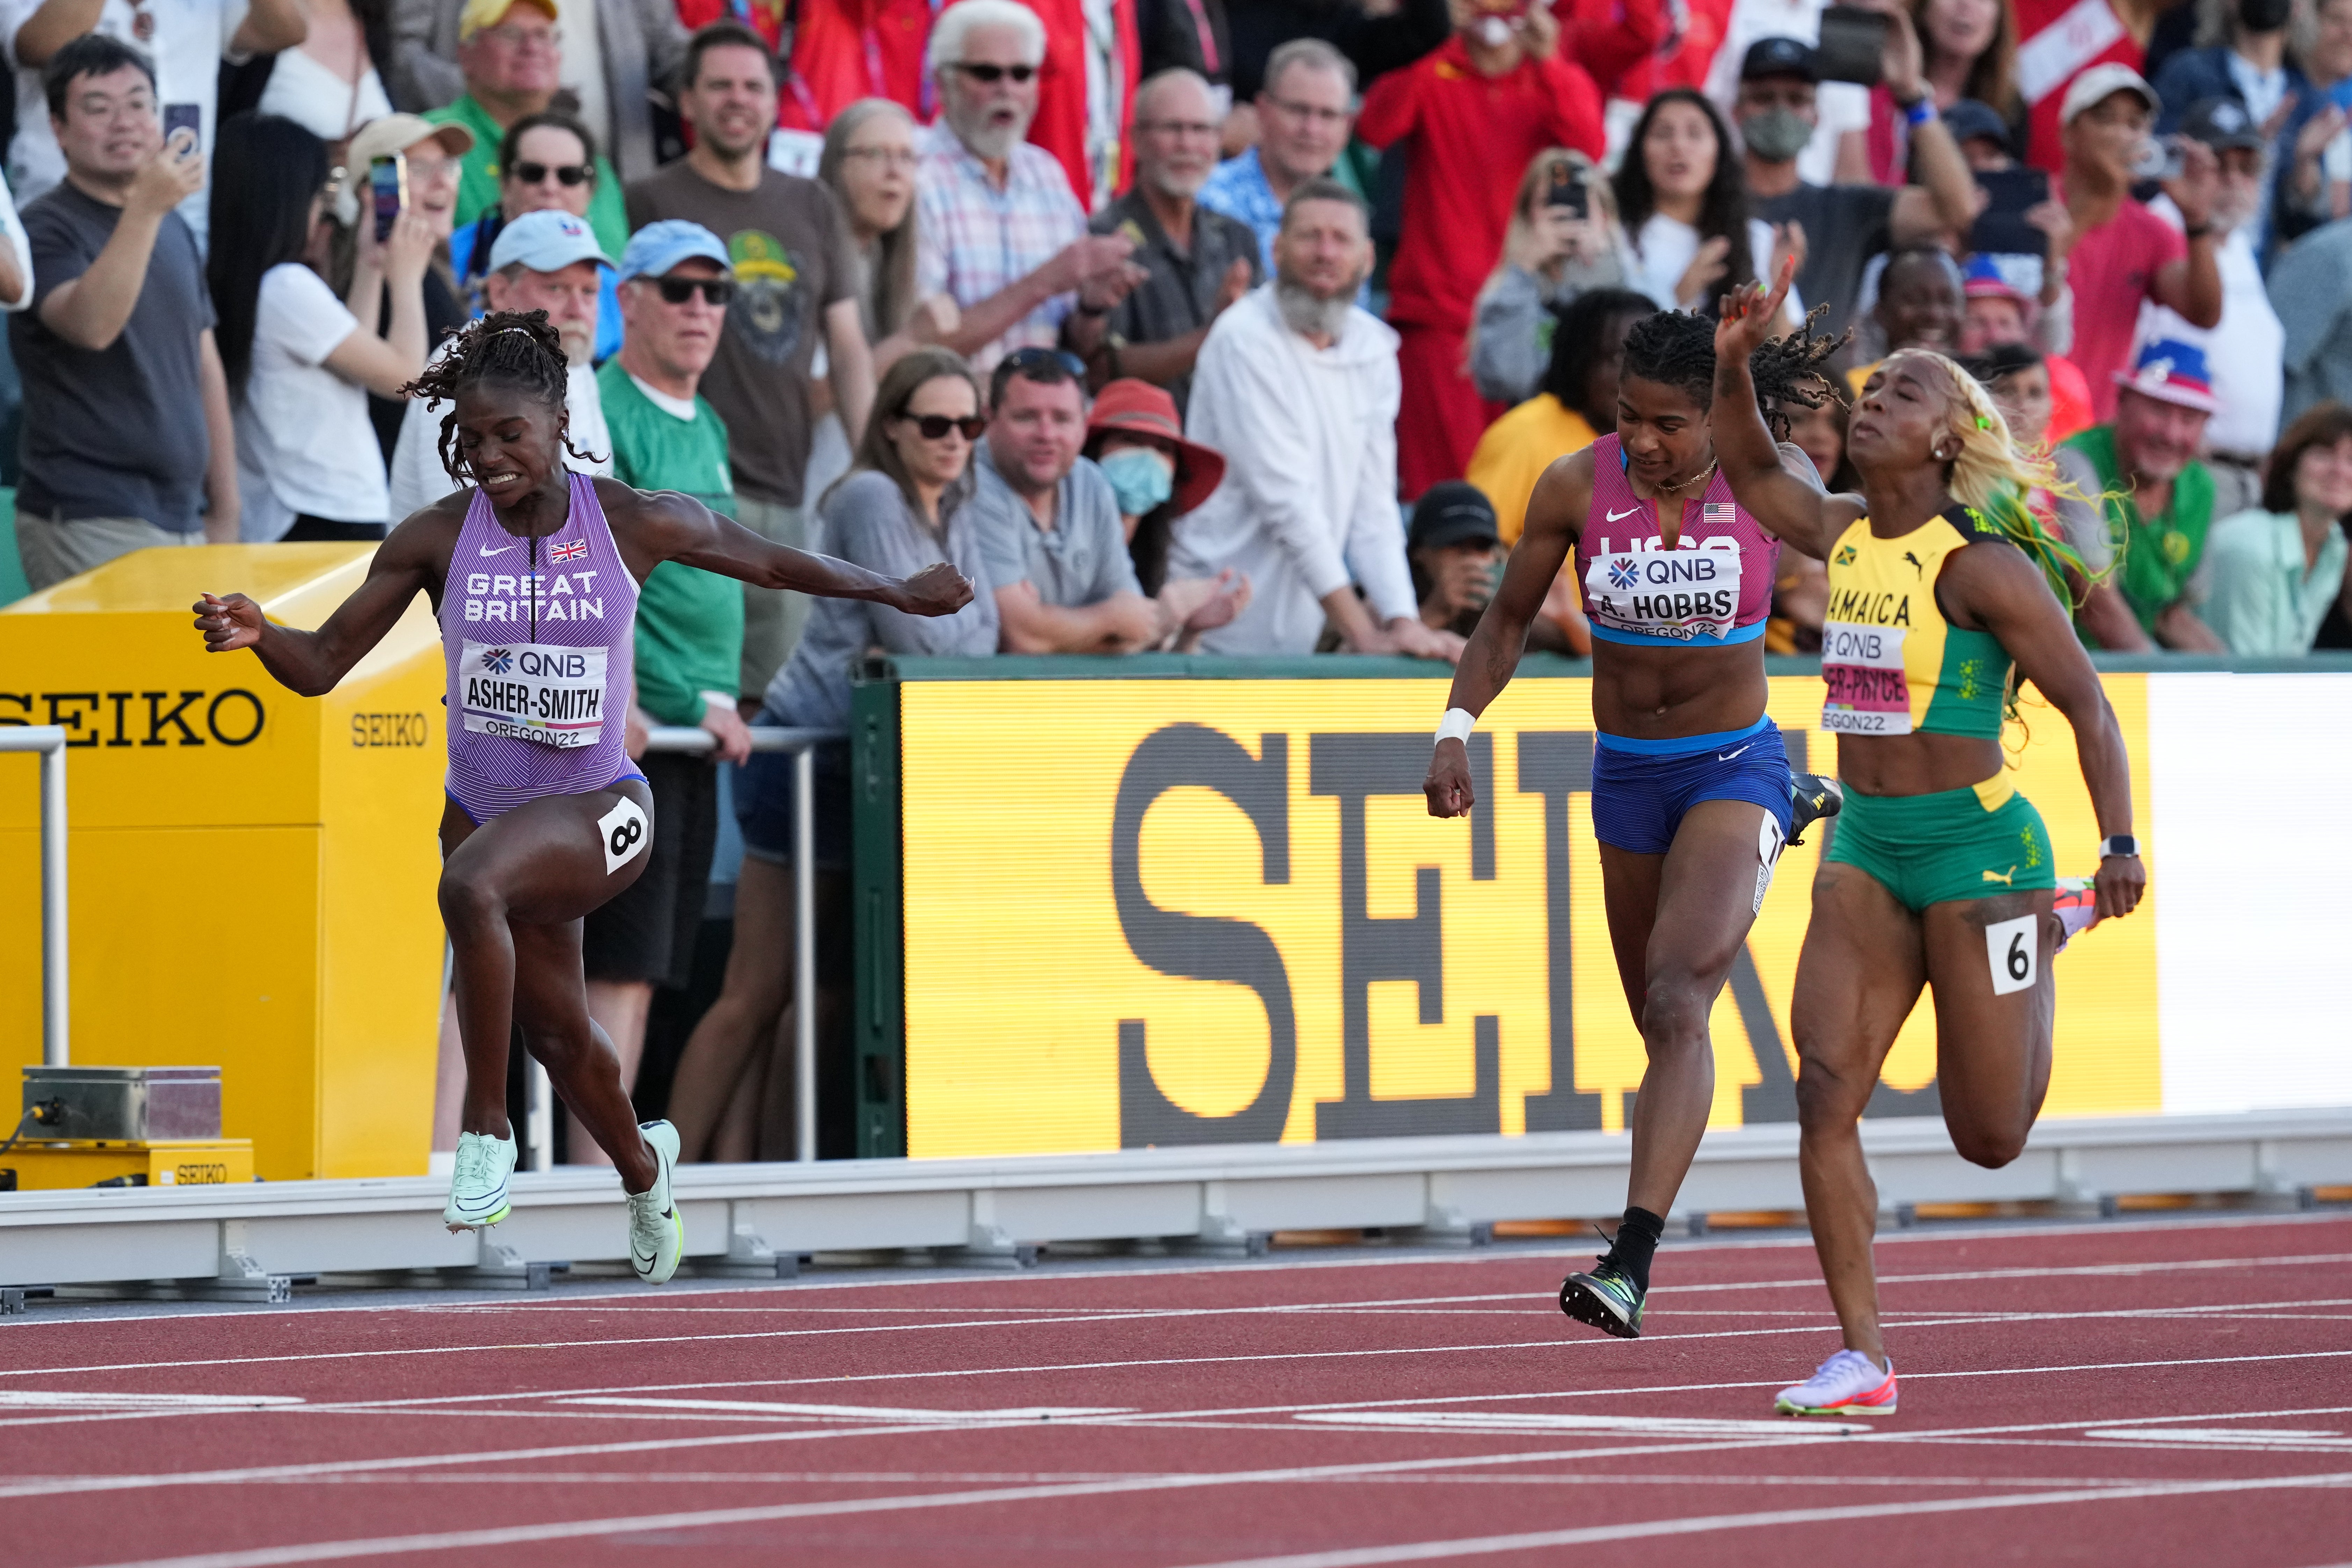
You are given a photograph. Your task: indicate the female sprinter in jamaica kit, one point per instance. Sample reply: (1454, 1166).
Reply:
(1692, 795)
(1941, 598)
(533, 575)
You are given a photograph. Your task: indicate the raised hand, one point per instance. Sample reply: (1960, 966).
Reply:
(1705, 270)
(938, 589)
(175, 172)
(228, 623)
(1749, 315)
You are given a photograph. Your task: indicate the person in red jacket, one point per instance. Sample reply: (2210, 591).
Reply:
(1084, 95)
(1474, 113)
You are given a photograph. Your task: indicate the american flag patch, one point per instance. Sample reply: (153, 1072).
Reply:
(574, 549)
(1713, 514)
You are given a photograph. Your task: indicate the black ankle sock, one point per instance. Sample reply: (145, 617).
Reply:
(1637, 1240)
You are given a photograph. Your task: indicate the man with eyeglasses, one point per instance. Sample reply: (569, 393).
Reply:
(1197, 262)
(547, 261)
(185, 42)
(675, 286)
(1306, 113)
(997, 226)
(796, 278)
(508, 51)
(1476, 113)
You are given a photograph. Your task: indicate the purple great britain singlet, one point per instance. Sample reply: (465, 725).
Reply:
(1714, 587)
(540, 658)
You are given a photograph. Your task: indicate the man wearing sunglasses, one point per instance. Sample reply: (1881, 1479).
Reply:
(998, 226)
(675, 286)
(795, 281)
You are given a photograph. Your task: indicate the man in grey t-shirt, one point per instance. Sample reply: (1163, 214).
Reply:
(1051, 534)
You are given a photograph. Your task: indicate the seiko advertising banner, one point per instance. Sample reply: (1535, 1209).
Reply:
(1152, 912)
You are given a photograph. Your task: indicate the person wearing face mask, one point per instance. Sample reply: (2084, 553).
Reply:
(1845, 225)
(2252, 68)
(2248, 349)
(1135, 435)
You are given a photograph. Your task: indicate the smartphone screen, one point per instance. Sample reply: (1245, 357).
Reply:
(1852, 45)
(1567, 190)
(388, 183)
(2010, 195)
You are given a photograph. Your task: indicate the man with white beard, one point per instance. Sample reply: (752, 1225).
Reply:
(542, 262)
(1298, 389)
(996, 225)
(1199, 262)
(2246, 351)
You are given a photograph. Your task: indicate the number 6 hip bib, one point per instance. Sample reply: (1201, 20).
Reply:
(532, 691)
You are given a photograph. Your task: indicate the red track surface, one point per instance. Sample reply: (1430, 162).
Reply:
(2153, 1395)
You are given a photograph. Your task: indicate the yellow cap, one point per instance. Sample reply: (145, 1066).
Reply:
(480, 14)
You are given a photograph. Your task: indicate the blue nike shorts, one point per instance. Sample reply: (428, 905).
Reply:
(1641, 788)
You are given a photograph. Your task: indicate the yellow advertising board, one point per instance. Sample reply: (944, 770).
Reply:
(250, 873)
(1153, 911)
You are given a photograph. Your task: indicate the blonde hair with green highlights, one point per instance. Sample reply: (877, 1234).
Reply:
(1991, 476)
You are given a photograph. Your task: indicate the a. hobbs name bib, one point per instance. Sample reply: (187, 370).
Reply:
(1680, 594)
(534, 691)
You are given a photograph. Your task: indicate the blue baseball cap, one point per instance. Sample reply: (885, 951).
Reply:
(655, 249)
(546, 241)
(2171, 372)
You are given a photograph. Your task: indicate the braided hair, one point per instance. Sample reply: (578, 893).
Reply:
(516, 347)
(1676, 349)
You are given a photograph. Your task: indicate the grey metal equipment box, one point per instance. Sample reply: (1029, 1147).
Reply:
(129, 1104)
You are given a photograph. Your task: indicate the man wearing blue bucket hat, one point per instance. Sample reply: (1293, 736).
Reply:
(2151, 504)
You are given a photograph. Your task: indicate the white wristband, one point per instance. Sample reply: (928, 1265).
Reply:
(1456, 725)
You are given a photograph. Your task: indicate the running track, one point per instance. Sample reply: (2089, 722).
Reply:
(2167, 1393)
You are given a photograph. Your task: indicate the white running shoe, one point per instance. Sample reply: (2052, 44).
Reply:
(1848, 1384)
(657, 1232)
(477, 1186)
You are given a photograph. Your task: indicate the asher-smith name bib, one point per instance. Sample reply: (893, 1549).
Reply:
(550, 695)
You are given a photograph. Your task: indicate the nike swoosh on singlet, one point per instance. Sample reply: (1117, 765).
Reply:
(500, 551)
(1629, 511)
(1727, 757)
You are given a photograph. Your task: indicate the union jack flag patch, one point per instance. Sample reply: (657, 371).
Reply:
(1713, 514)
(574, 549)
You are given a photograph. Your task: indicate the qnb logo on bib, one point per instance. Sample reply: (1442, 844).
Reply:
(1862, 666)
(1677, 594)
(531, 691)
(625, 833)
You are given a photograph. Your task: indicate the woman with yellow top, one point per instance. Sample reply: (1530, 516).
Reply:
(1940, 874)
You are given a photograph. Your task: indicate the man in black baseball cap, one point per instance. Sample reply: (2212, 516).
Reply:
(1454, 548)
(1844, 226)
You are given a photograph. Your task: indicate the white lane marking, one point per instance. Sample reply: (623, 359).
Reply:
(574, 1529)
(1531, 1540)
(44, 1399)
(1541, 1421)
(2025, 1231)
(866, 1412)
(2251, 1437)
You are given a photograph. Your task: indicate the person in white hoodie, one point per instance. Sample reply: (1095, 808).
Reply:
(1298, 389)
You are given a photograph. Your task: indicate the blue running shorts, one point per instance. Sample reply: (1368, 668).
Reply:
(1641, 788)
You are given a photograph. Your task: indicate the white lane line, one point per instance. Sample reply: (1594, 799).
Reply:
(1533, 1540)
(2027, 1231)
(574, 1529)
(2250, 1437)
(868, 1412)
(1507, 1421)
(971, 1478)
(45, 1399)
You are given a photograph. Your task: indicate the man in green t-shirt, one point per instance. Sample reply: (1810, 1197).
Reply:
(511, 52)
(2151, 503)
(674, 283)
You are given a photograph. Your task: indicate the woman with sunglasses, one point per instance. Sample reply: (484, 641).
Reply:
(534, 574)
(547, 163)
(899, 509)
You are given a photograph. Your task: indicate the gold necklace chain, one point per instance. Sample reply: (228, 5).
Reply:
(1708, 472)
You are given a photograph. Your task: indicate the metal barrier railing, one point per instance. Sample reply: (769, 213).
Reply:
(49, 740)
(802, 744)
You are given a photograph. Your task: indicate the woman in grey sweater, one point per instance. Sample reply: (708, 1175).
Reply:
(902, 499)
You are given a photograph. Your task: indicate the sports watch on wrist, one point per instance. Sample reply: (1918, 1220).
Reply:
(2119, 846)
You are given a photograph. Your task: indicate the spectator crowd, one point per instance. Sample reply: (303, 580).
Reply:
(1241, 327)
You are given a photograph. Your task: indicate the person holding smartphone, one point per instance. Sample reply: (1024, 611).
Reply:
(299, 364)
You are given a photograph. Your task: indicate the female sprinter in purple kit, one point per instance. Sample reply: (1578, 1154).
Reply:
(1692, 793)
(533, 575)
